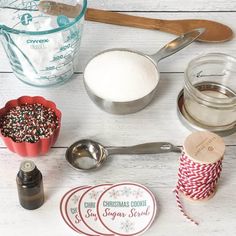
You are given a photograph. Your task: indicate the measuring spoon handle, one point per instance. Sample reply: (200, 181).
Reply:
(146, 148)
(177, 44)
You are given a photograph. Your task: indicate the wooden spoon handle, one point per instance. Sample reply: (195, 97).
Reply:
(215, 31)
(169, 26)
(122, 19)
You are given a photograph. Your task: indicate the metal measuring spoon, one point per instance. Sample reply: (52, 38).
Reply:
(87, 154)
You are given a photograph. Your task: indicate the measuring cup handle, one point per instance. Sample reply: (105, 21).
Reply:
(146, 148)
(177, 44)
(12, 50)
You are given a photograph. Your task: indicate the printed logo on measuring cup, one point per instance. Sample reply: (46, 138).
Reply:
(26, 19)
(37, 43)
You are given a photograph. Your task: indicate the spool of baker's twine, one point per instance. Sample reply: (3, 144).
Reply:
(199, 168)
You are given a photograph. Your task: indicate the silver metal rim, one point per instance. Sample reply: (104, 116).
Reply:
(192, 124)
(122, 108)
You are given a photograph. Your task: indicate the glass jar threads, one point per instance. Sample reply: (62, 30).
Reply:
(210, 91)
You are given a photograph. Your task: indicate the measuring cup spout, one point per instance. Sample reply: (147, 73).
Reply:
(177, 44)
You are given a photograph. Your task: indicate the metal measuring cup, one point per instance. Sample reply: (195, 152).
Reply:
(138, 104)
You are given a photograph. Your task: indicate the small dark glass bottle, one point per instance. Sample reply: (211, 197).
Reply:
(30, 186)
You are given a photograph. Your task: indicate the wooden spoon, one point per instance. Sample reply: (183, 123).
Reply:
(215, 32)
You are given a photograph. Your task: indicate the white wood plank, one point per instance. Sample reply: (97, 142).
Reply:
(158, 172)
(98, 37)
(82, 119)
(164, 5)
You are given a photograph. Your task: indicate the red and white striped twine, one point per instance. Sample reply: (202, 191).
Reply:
(196, 181)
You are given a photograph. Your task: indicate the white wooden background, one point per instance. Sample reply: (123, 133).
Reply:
(159, 122)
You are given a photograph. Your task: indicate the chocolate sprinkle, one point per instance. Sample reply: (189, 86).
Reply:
(29, 123)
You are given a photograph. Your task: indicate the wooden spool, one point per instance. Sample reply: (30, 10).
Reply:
(204, 147)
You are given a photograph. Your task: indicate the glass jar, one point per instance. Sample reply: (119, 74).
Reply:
(210, 90)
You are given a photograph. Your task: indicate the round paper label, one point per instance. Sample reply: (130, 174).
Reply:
(72, 214)
(62, 207)
(88, 209)
(127, 209)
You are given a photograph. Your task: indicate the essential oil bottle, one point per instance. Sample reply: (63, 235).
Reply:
(30, 186)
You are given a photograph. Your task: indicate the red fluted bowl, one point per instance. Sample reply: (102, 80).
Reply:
(42, 146)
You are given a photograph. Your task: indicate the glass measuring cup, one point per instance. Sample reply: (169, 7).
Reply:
(42, 45)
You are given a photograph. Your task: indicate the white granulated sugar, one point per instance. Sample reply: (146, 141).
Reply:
(121, 76)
